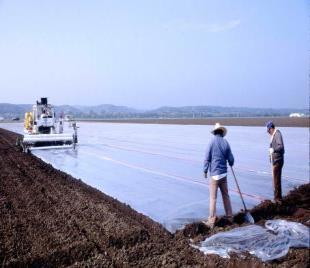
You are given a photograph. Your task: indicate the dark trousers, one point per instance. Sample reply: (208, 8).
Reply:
(276, 173)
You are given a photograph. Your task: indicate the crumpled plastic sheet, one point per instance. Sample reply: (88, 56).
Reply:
(266, 244)
(296, 232)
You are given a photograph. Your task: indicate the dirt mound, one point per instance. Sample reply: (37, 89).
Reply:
(50, 219)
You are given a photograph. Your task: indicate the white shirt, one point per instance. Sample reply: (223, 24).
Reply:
(218, 177)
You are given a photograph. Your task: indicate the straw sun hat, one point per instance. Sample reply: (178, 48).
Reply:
(218, 126)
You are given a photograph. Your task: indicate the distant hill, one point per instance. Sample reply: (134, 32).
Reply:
(106, 111)
(109, 108)
(9, 111)
(218, 111)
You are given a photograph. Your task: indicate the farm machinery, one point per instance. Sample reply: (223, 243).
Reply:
(43, 131)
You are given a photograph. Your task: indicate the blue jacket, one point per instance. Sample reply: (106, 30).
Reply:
(217, 155)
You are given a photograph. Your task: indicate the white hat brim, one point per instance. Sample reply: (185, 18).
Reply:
(222, 128)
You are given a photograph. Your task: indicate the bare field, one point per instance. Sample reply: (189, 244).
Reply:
(240, 121)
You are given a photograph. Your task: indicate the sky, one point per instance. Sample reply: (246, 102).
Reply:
(152, 53)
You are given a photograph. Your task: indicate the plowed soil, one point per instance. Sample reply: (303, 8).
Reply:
(226, 121)
(50, 219)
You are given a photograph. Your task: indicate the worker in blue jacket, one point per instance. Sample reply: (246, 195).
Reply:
(217, 155)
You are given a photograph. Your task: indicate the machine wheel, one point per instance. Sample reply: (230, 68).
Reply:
(18, 142)
(25, 148)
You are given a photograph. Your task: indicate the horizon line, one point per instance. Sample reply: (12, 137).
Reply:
(167, 106)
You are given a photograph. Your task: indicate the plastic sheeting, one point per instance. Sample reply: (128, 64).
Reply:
(296, 232)
(266, 244)
(157, 169)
